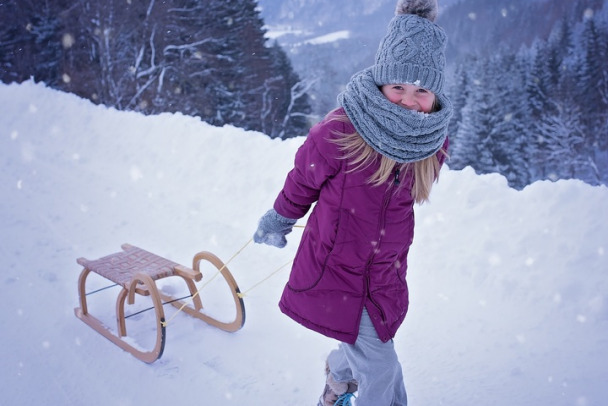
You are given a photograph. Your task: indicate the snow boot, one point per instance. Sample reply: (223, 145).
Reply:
(337, 393)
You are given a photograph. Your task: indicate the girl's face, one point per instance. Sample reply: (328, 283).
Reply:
(409, 96)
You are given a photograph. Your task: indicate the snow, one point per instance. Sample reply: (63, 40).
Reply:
(278, 32)
(332, 37)
(508, 288)
(274, 33)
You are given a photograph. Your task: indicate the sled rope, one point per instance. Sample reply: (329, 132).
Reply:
(239, 294)
(165, 323)
(243, 294)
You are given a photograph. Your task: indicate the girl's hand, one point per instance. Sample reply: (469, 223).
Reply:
(273, 228)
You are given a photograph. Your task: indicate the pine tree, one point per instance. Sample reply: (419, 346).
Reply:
(510, 133)
(458, 94)
(30, 40)
(538, 103)
(591, 76)
(564, 137)
(464, 145)
(471, 144)
(487, 114)
(12, 28)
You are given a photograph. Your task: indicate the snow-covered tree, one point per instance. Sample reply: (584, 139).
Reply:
(207, 58)
(552, 109)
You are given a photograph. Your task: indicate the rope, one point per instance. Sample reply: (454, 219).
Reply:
(165, 323)
(222, 268)
(239, 294)
(243, 294)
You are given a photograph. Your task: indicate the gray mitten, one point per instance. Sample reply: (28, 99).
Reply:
(273, 228)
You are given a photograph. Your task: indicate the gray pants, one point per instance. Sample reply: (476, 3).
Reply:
(373, 364)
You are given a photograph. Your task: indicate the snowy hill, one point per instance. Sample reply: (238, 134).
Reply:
(509, 289)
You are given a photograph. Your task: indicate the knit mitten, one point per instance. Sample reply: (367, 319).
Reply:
(273, 228)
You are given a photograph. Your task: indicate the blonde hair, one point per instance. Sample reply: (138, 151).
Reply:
(361, 155)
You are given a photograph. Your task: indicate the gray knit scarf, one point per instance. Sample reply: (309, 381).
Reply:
(395, 132)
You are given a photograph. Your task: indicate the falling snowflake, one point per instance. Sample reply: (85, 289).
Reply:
(136, 173)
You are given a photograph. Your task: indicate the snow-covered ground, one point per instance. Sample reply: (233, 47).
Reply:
(509, 289)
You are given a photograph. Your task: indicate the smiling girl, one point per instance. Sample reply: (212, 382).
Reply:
(365, 165)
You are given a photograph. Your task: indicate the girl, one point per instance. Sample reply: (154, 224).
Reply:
(365, 165)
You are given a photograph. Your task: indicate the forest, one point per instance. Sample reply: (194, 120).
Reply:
(529, 79)
(538, 110)
(201, 58)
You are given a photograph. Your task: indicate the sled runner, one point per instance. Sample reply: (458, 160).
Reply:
(136, 271)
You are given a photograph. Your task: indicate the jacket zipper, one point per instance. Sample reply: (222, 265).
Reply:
(382, 222)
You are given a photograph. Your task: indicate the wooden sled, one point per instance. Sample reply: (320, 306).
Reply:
(136, 271)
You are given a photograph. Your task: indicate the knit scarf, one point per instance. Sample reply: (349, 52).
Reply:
(393, 131)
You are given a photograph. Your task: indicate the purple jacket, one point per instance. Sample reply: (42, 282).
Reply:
(353, 252)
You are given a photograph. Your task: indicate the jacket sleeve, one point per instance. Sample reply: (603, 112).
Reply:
(316, 161)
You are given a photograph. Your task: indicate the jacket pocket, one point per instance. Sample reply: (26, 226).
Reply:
(318, 246)
(307, 267)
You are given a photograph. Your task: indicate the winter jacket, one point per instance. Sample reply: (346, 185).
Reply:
(353, 252)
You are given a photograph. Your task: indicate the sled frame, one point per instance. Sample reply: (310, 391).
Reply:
(137, 271)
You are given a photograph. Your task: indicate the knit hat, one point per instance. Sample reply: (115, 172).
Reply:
(413, 49)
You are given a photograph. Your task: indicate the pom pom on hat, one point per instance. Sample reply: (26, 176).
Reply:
(413, 49)
(422, 8)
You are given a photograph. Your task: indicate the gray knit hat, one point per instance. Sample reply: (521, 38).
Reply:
(413, 49)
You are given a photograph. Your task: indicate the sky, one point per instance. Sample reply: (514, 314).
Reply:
(509, 288)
